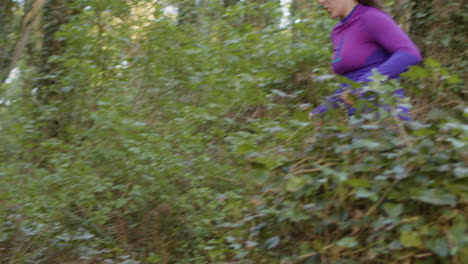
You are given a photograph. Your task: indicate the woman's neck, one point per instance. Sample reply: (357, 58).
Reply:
(349, 7)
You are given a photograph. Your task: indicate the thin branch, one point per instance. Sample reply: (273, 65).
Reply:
(28, 24)
(382, 198)
(313, 170)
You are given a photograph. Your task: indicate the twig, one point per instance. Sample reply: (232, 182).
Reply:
(313, 170)
(382, 198)
(304, 160)
(302, 257)
(401, 129)
(296, 132)
(424, 255)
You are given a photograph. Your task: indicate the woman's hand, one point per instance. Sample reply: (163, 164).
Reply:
(344, 97)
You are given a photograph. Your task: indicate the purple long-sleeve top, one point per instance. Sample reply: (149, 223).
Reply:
(369, 38)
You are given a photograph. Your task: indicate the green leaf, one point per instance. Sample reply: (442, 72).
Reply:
(377, 76)
(230, 239)
(272, 242)
(393, 210)
(259, 175)
(295, 183)
(244, 148)
(410, 239)
(461, 172)
(438, 246)
(356, 183)
(400, 172)
(456, 143)
(454, 79)
(423, 132)
(436, 197)
(302, 116)
(416, 73)
(67, 89)
(120, 202)
(458, 232)
(347, 242)
(353, 84)
(365, 143)
(432, 63)
(363, 193)
(153, 258)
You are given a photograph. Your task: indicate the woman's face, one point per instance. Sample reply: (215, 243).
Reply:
(338, 8)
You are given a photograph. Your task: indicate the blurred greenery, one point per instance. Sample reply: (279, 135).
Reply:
(151, 137)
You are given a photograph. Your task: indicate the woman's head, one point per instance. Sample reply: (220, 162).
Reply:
(341, 8)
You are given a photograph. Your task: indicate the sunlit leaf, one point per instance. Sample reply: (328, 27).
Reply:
(295, 183)
(272, 242)
(461, 172)
(436, 197)
(410, 239)
(348, 242)
(363, 193)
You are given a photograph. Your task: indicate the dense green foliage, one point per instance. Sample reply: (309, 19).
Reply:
(166, 142)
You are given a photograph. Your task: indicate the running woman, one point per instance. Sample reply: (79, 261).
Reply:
(366, 38)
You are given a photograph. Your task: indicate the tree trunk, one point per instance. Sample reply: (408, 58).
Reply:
(6, 27)
(260, 16)
(56, 13)
(30, 21)
(228, 3)
(299, 10)
(439, 29)
(187, 14)
(402, 13)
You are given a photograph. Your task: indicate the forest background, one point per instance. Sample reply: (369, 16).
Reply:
(140, 131)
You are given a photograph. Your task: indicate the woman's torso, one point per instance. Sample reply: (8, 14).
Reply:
(355, 52)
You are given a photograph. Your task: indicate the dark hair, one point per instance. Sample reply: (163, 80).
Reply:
(372, 3)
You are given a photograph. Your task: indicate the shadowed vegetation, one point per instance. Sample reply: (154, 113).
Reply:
(135, 134)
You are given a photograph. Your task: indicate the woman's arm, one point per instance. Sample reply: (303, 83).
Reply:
(384, 31)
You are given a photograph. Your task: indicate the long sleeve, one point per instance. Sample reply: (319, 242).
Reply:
(369, 39)
(384, 31)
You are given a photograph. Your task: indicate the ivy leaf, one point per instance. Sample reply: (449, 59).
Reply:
(454, 79)
(324, 77)
(272, 242)
(348, 242)
(251, 244)
(363, 193)
(430, 62)
(458, 234)
(245, 148)
(461, 172)
(400, 172)
(365, 143)
(410, 239)
(153, 258)
(438, 246)
(423, 132)
(356, 183)
(295, 184)
(393, 210)
(416, 73)
(230, 239)
(456, 143)
(436, 197)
